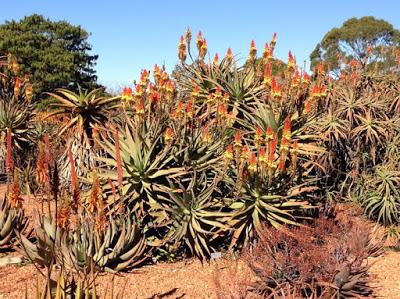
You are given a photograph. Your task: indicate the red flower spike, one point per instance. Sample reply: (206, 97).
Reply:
(238, 139)
(228, 154)
(267, 75)
(253, 51)
(287, 126)
(276, 89)
(182, 49)
(291, 61)
(169, 133)
(270, 133)
(127, 94)
(245, 153)
(216, 59)
(229, 55)
(189, 109)
(252, 163)
(307, 106)
(206, 134)
(203, 49)
(199, 40)
(263, 156)
(140, 107)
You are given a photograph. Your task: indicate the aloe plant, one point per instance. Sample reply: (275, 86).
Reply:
(12, 223)
(193, 215)
(120, 246)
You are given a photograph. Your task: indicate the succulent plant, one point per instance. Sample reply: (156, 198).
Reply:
(120, 246)
(12, 223)
(193, 215)
(84, 112)
(380, 194)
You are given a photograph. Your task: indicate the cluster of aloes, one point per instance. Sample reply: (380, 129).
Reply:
(174, 133)
(268, 108)
(360, 126)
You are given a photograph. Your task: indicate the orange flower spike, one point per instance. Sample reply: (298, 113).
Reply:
(144, 78)
(14, 197)
(206, 134)
(266, 52)
(228, 154)
(140, 108)
(258, 135)
(199, 40)
(307, 106)
(156, 73)
(169, 133)
(295, 80)
(216, 60)
(95, 194)
(291, 61)
(17, 86)
(238, 139)
(180, 110)
(267, 75)
(203, 49)
(322, 91)
(218, 93)
(269, 134)
(263, 156)
(225, 98)
(164, 76)
(252, 163)
(127, 94)
(196, 92)
(276, 89)
(28, 91)
(182, 49)
(287, 126)
(315, 92)
(189, 109)
(229, 55)
(170, 88)
(306, 79)
(222, 110)
(253, 51)
(245, 153)
(284, 145)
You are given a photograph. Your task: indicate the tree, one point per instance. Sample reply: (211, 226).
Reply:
(356, 39)
(55, 54)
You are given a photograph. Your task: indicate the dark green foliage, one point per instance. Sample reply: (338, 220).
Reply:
(352, 40)
(55, 54)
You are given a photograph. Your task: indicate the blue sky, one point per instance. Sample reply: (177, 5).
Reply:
(132, 35)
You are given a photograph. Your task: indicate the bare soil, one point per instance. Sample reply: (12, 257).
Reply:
(184, 279)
